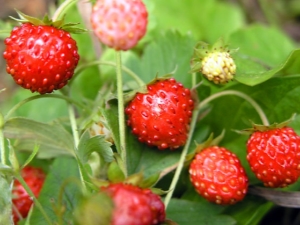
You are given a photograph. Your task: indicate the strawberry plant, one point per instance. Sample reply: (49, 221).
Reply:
(117, 102)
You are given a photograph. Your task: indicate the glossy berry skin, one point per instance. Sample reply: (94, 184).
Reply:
(135, 206)
(218, 176)
(274, 156)
(119, 24)
(40, 58)
(161, 116)
(34, 177)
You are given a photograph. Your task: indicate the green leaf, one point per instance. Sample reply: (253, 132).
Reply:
(150, 160)
(5, 199)
(202, 18)
(97, 144)
(53, 139)
(186, 212)
(57, 198)
(254, 41)
(257, 59)
(169, 52)
(250, 211)
(111, 116)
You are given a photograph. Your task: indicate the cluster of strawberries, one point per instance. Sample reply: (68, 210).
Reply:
(43, 58)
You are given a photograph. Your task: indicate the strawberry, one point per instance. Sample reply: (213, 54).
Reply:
(119, 24)
(161, 117)
(135, 206)
(214, 62)
(274, 156)
(34, 177)
(218, 176)
(41, 58)
(218, 67)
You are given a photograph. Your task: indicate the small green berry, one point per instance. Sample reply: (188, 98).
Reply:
(218, 67)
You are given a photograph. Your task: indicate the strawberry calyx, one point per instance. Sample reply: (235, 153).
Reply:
(214, 62)
(46, 21)
(143, 89)
(263, 128)
(211, 141)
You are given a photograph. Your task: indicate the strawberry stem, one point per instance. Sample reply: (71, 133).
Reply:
(121, 114)
(182, 157)
(30, 193)
(2, 145)
(75, 133)
(60, 12)
(133, 75)
(258, 109)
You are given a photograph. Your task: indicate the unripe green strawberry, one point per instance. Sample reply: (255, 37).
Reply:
(161, 116)
(274, 156)
(218, 176)
(214, 62)
(218, 67)
(41, 58)
(119, 24)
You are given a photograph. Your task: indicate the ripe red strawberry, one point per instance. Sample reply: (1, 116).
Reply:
(119, 24)
(218, 176)
(34, 177)
(40, 58)
(135, 206)
(161, 117)
(274, 156)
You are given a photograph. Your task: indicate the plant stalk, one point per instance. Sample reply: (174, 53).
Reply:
(182, 158)
(2, 141)
(133, 75)
(62, 9)
(36, 202)
(121, 114)
(258, 109)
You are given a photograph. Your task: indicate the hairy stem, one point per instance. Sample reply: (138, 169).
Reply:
(182, 158)
(122, 130)
(133, 75)
(36, 202)
(75, 132)
(63, 8)
(258, 109)
(2, 144)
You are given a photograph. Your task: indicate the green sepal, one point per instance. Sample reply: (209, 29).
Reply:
(32, 155)
(262, 128)
(159, 191)
(150, 181)
(46, 21)
(94, 209)
(143, 89)
(115, 173)
(135, 179)
(211, 141)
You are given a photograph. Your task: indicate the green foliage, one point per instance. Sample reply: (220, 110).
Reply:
(267, 71)
(5, 200)
(187, 212)
(60, 192)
